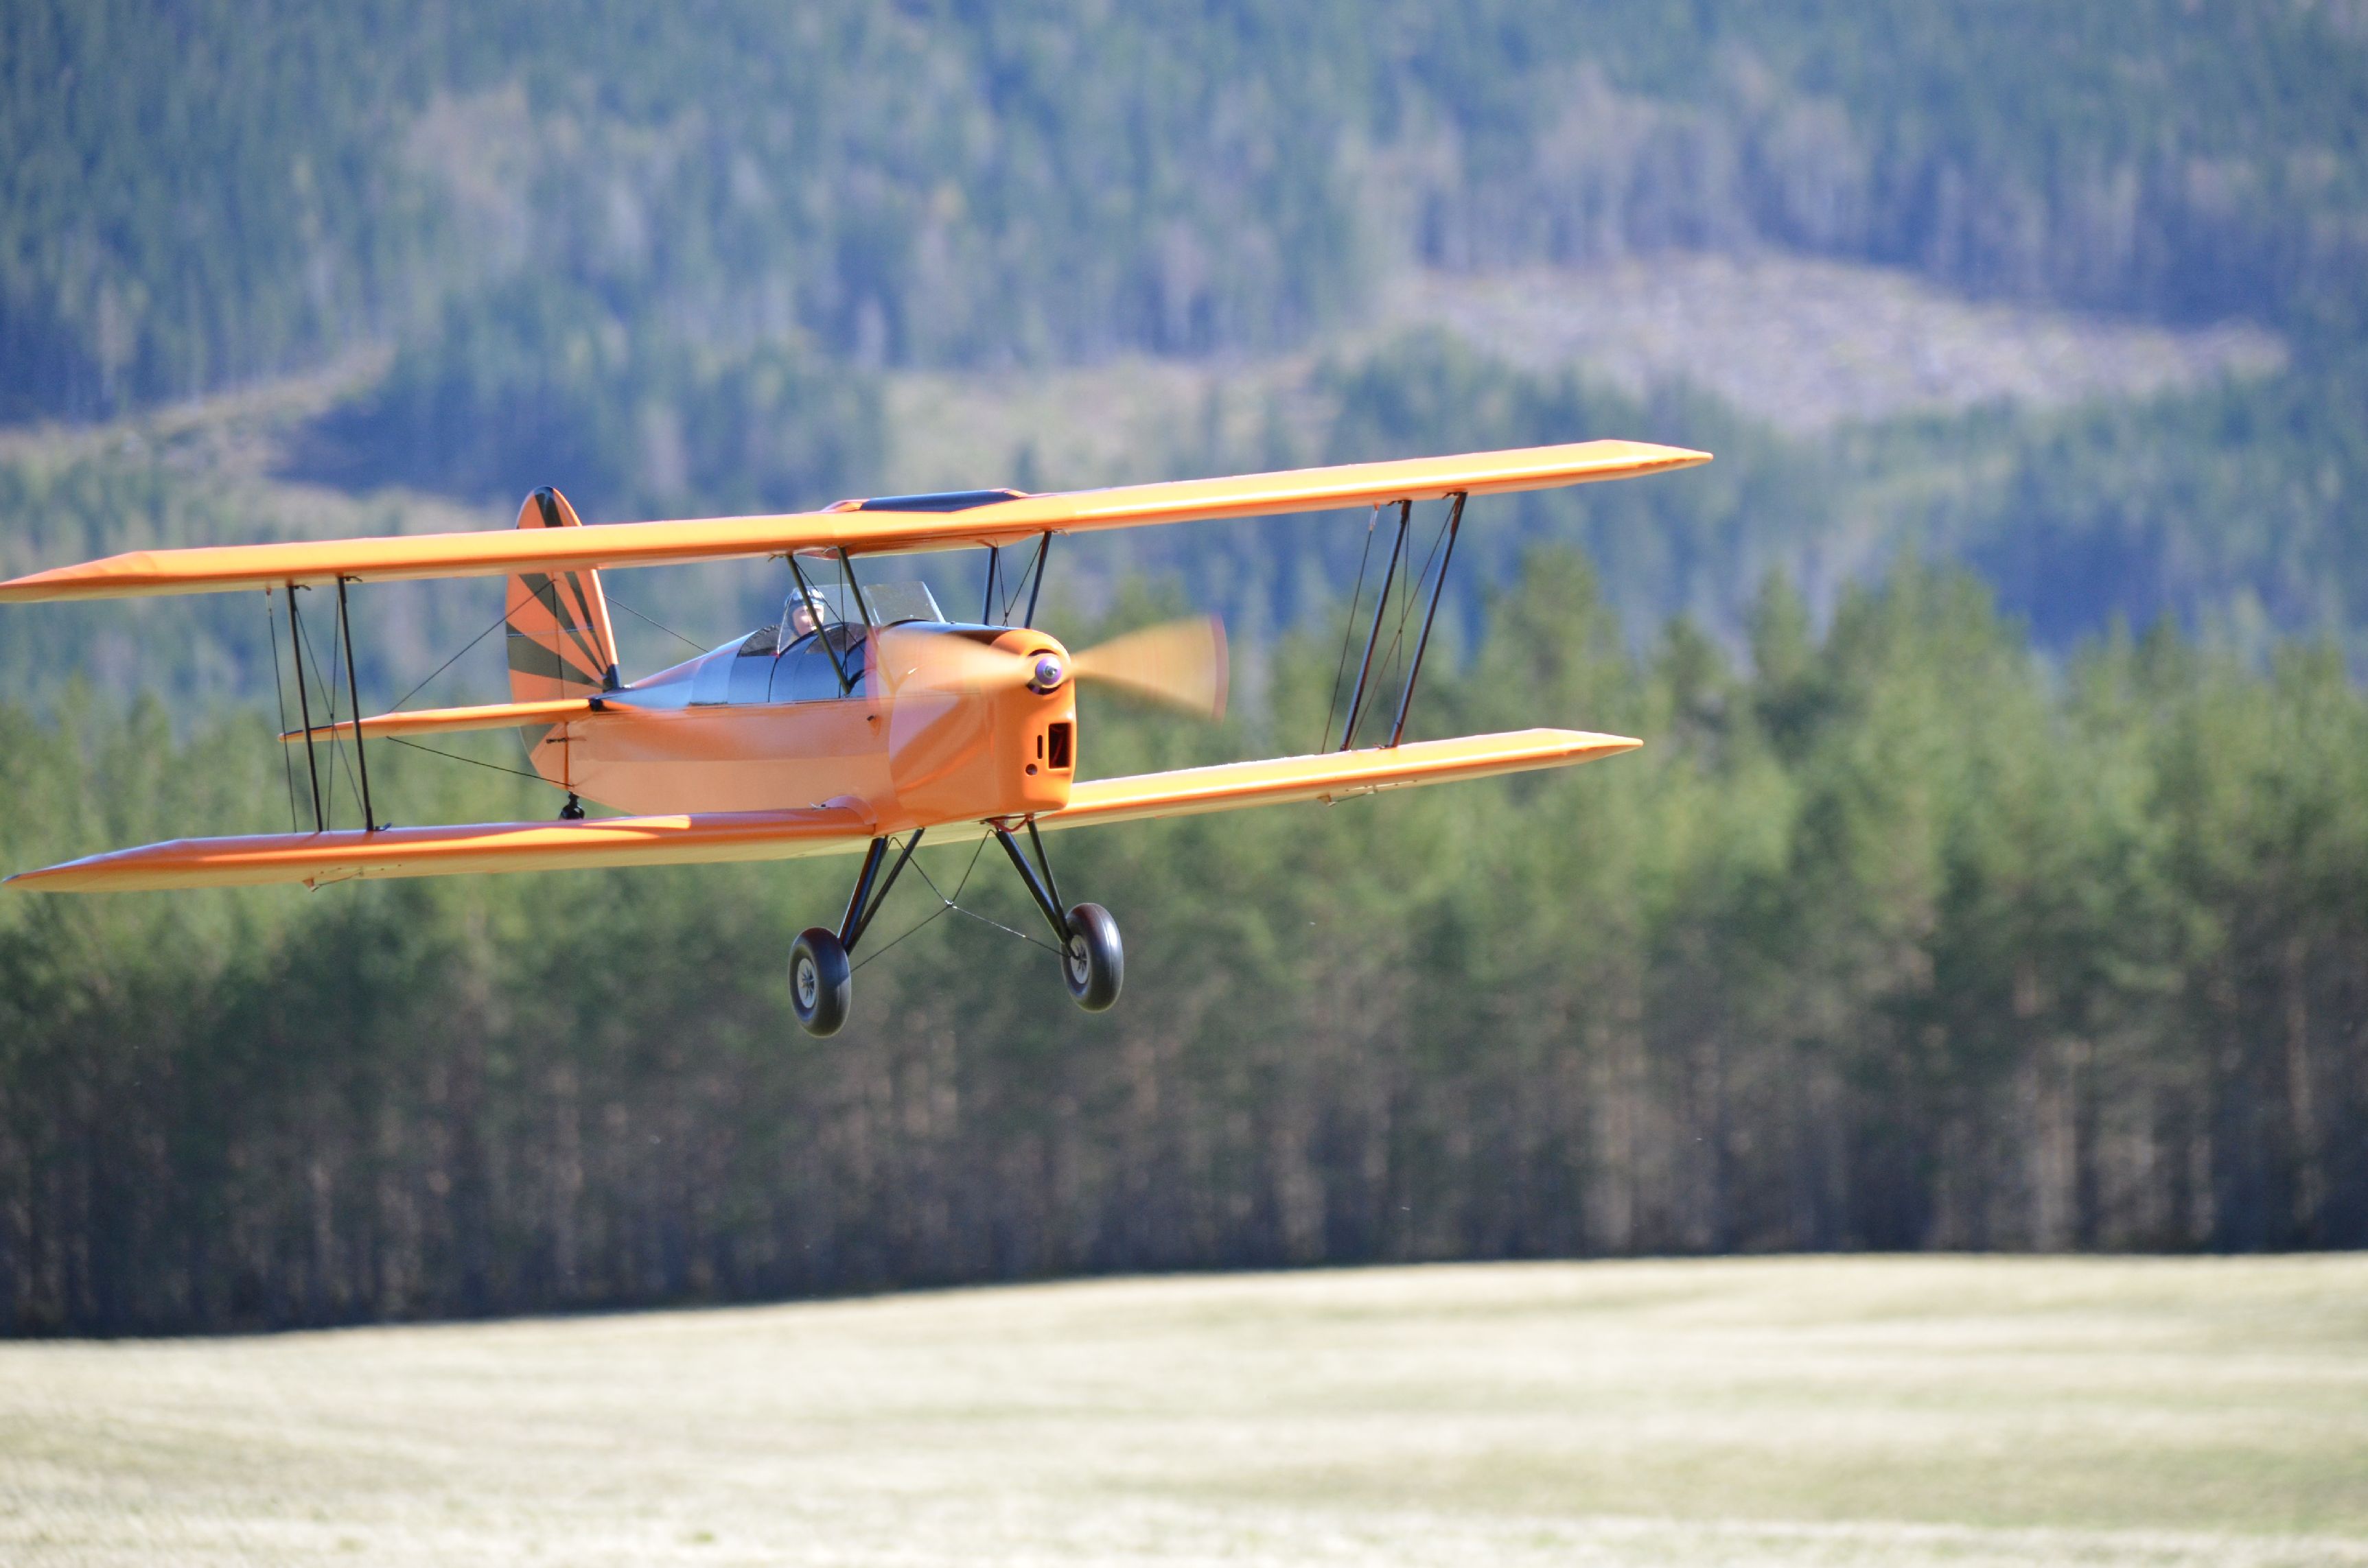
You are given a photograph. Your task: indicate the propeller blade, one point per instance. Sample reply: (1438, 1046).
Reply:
(1179, 662)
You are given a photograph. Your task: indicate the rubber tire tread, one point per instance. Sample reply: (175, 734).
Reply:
(1105, 955)
(835, 976)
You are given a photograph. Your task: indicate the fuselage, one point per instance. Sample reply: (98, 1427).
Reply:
(752, 726)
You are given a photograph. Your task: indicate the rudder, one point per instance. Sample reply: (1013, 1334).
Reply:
(561, 644)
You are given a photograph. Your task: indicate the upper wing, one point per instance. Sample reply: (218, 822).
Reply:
(861, 527)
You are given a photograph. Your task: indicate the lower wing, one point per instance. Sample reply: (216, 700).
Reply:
(342, 854)
(1329, 776)
(317, 857)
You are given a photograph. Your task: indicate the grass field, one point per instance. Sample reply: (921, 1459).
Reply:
(1792, 1411)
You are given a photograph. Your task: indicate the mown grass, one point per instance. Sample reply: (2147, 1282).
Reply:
(1813, 1410)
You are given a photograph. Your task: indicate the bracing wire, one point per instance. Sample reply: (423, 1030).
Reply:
(455, 659)
(1030, 581)
(337, 747)
(637, 615)
(456, 757)
(450, 756)
(881, 950)
(975, 914)
(304, 657)
(1007, 930)
(951, 902)
(944, 903)
(1349, 632)
(1405, 609)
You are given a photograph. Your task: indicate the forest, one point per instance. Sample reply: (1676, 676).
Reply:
(1894, 938)
(1994, 873)
(198, 194)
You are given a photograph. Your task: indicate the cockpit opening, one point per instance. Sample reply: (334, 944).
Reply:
(792, 661)
(833, 604)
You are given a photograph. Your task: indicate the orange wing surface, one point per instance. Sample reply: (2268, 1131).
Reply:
(869, 528)
(1329, 776)
(318, 857)
(347, 853)
(454, 721)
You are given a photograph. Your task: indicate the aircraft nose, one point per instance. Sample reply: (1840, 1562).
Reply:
(1048, 675)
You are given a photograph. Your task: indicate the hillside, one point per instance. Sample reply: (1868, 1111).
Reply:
(2168, 1414)
(218, 192)
(2089, 466)
(755, 259)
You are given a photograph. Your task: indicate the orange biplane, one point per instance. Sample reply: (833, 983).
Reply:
(864, 716)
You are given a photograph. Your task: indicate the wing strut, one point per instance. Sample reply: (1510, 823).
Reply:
(304, 705)
(847, 575)
(353, 690)
(1422, 641)
(1380, 607)
(1036, 583)
(996, 609)
(806, 597)
(280, 701)
(1445, 547)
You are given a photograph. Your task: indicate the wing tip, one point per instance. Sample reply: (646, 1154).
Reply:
(1592, 743)
(1659, 457)
(45, 878)
(30, 588)
(125, 575)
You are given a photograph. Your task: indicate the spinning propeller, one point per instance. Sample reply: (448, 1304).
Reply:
(1179, 663)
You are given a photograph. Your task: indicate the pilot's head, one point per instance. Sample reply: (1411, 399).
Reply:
(798, 616)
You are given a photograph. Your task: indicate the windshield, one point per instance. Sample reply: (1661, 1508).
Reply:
(831, 604)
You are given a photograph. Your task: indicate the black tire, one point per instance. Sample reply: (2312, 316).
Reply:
(1095, 965)
(822, 982)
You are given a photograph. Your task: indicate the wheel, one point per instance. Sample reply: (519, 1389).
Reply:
(1095, 965)
(822, 984)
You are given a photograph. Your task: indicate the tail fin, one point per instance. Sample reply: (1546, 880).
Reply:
(561, 644)
(560, 641)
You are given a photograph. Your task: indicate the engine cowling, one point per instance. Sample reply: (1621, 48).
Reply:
(978, 726)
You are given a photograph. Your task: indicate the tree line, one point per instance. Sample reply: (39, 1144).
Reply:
(1893, 936)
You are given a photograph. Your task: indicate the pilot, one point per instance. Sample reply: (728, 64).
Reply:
(799, 618)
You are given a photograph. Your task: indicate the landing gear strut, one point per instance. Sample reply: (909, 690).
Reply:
(822, 974)
(1093, 961)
